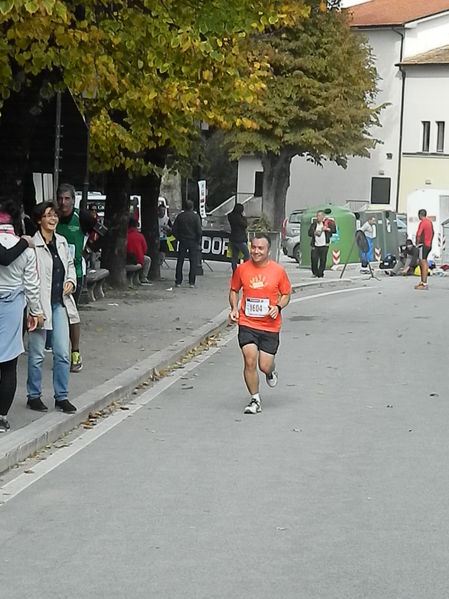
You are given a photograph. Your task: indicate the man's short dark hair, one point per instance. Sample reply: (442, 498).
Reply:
(39, 210)
(422, 212)
(132, 222)
(66, 187)
(188, 205)
(260, 235)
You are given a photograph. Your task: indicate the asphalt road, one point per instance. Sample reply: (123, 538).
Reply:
(337, 490)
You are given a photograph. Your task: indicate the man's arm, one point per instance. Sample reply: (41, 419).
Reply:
(283, 301)
(234, 302)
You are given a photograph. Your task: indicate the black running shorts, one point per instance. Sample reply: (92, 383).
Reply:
(424, 251)
(266, 341)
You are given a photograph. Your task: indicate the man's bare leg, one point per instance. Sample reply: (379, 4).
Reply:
(250, 369)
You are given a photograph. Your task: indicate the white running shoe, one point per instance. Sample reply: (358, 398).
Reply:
(272, 379)
(253, 407)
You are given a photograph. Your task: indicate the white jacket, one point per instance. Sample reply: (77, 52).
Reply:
(21, 272)
(45, 270)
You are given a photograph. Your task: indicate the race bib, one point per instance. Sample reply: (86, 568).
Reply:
(256, 307)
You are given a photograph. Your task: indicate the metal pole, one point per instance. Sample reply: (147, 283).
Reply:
(57, 145)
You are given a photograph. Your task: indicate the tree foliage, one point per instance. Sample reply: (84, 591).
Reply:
(146, 71)
(318, 102)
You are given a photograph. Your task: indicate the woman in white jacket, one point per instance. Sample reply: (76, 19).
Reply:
(57, 282)
(18, 282)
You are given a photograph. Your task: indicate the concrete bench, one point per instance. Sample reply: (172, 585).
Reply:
(94, 283)
(133, 274)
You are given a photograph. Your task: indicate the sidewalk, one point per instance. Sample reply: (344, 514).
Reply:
(124, 337)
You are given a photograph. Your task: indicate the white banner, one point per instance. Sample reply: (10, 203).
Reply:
(202, 195)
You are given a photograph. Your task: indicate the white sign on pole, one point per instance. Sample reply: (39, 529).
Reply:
(202, 195)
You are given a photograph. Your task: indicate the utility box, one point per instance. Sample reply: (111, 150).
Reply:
(342, 248)
(385, 240)
(436, 202)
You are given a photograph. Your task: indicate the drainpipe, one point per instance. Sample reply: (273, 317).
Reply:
(401, 120)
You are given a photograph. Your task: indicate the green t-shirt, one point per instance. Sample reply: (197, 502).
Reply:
(71, 230)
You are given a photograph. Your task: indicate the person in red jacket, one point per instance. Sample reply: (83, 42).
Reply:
(136, 246)
(424, 238)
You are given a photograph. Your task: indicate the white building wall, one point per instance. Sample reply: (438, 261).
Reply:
(246, 176)
(427, 92)
(427, 34)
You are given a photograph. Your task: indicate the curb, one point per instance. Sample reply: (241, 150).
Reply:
(22, 443)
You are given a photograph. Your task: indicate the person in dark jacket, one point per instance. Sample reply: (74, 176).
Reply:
(188, 231)
(408, 261)
(239, 237)
(321, 230)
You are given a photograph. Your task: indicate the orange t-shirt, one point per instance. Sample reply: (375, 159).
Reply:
(262, 287)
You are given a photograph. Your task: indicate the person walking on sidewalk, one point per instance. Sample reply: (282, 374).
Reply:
(188, 231)
(424, 238)
(369, 230)
(57, 277)
(74, 225)
(19, 285)
(239, 237)
(136, 246)
(321, 230)
(266, 291)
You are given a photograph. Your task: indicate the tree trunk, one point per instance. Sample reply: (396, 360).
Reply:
(150, 222)
(116, 219)
(150, 187)
(276, 181)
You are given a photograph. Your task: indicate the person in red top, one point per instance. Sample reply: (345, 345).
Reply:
(136, 246)
(266, 291)
(424, 238)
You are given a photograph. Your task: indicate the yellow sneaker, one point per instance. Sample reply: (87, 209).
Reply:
(77, 362)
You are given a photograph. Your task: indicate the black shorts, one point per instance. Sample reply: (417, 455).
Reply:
(266, 341)
(79, 288)
(424, 251)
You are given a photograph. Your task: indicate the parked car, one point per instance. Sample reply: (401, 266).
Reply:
(291, 231)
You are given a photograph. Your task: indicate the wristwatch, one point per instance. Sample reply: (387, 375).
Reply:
(279, 308)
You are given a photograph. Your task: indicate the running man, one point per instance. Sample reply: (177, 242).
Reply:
(266, 291)
(424, 238)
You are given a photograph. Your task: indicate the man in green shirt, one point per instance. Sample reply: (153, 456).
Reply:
(74, 226)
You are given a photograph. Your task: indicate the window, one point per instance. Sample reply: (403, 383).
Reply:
(380, 190)
(425, 136)
(440, 136)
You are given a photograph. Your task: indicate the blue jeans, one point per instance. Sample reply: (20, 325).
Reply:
(369, 255)
(61, 356)
(237, 247)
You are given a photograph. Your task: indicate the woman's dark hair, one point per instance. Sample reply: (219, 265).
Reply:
(238, 209)
(13, 209)
(39, 210)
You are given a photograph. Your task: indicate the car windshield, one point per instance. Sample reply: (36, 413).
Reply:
(295, 218)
